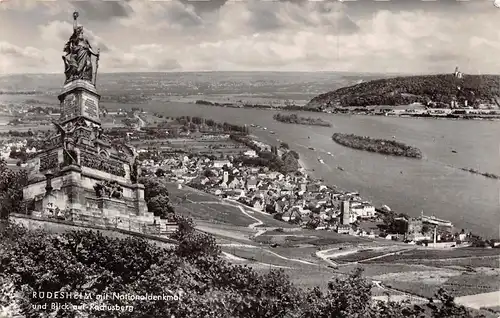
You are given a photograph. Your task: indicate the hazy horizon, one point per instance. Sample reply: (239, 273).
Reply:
(238, 71)
(362, 37)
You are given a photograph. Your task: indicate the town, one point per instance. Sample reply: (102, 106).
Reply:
(113, 184)
(224, 160)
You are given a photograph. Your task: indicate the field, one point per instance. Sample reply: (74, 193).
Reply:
(214, 212)
(361, 255)
(200, 146)
(207, 207)
(474, 283)
(483, 300)
(308, 237)
(423, 254)
(479, 261)
(422, 283)
(462, 272)
(382, 269)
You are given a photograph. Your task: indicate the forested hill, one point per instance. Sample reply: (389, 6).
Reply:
(441, 89)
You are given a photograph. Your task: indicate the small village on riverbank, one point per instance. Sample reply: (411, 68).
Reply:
(182, 151)
(270, 213)
(209, 214)
(294, 198)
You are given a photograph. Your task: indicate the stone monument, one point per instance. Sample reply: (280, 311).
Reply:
(81, 175)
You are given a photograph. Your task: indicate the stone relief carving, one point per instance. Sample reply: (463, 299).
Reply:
(108, 189)
(102, 164)
(49, 161)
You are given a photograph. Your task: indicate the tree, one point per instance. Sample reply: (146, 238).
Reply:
(208, 285)
(447, 308)
(160, 172)
(209, 173)
(11, 190)
(157, 197)
(425, 229)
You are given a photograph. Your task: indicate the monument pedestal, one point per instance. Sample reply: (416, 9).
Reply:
(87, 177)
(79, 98)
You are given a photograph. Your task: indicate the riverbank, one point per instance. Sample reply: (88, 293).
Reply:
(378, 110)
(382, 146)
(249, 105)
(378, 177)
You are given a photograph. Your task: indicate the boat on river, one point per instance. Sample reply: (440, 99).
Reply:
(435, 221)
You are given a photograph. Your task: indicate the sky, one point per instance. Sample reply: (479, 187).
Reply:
(396, 36)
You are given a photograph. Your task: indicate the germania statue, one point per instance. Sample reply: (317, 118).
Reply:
(78, 57)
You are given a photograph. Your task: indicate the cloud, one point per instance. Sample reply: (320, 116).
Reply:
(58, 32)
(28, 52)
(138, 35)
(157, 15)
(99, 10)
(13, 56)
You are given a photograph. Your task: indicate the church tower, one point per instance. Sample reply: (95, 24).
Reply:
(81, 175)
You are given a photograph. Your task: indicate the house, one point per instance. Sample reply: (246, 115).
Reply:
(251, 183)
(312, 187)
(222, 184)
(221, 163)
(343, 229)
(216, 192)
(279, 206)
(324, 215)
(235, 194)
(391, 237)
(234, 183)
(250, 153)
(258, 204)
(363, 209)
(291, 215)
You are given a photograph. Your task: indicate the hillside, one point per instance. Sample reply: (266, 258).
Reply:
(441, 89)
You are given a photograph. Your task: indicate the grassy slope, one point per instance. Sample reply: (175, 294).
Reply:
(230, 226)
(408, 89)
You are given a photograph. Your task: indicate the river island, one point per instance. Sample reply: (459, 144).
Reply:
(383, 146)
(294, 119)
(484, 174)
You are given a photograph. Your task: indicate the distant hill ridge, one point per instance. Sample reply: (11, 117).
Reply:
(440, 89)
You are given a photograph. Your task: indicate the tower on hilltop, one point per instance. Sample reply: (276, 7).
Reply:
(81, 175)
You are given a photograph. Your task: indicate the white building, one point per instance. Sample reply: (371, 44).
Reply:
(221, 163)
(362, 209)
(250, 153)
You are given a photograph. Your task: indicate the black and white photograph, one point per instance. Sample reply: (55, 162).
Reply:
(249, 158)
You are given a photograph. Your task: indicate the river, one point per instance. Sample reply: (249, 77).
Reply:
(434, 184)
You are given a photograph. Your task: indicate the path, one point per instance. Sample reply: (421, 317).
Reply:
(242, 210)
(381, 256)
(413, 298)
(232, 257)
(252, 226)
(141, 121)
(323, 254)
(260, 232)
